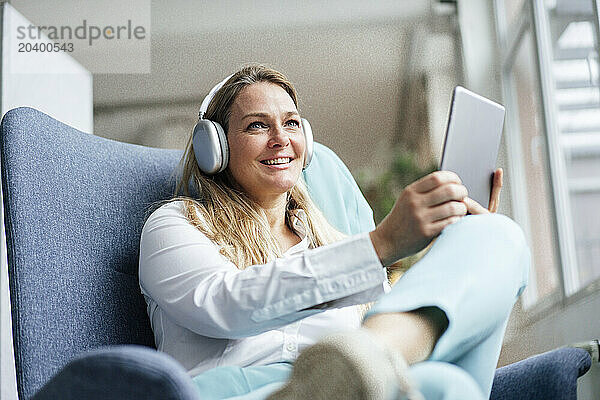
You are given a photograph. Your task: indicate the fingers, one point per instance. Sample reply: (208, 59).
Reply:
(434, 180)
(439, 226)
(474, 207)
(447, 210)
(452, 212)
(496, 189)
(445, 193)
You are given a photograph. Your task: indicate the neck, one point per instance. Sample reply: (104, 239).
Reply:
(275, 211)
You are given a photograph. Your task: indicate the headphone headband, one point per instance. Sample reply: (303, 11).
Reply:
(210, 95)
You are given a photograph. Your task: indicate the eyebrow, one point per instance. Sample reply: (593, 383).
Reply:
(265, 115)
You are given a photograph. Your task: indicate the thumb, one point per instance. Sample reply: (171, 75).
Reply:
(474, 207)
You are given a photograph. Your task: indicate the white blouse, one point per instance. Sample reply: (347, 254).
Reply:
(205, 312)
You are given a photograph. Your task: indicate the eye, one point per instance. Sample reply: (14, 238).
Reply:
(293, 122)
(256, 125)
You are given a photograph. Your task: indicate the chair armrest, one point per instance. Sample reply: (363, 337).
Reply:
(121, 372)
(551, 375)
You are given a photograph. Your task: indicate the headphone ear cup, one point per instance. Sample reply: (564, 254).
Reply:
(224, 146)
(308, 139)
(210, 147)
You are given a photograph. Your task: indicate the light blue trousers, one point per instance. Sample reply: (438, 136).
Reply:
(474, 272)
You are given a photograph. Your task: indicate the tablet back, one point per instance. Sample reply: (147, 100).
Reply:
(472, 140)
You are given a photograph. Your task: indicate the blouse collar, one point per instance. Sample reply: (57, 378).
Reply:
(299, 223)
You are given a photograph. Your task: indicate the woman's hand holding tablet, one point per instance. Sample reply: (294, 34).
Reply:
(421, 212)
(467, 182)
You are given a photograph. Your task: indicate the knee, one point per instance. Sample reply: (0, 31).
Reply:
(498, 235)
(507, 228)
(512, 238)
(493, 226)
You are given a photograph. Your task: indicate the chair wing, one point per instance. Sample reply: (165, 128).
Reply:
(74, 206)
(336, 193)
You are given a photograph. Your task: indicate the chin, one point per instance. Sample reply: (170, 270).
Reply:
(283, 187)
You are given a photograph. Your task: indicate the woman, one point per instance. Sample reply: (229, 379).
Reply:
(243, 279)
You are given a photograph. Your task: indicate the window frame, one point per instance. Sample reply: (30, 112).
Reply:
(533, 19)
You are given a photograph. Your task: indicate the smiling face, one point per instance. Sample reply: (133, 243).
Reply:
(266, 143)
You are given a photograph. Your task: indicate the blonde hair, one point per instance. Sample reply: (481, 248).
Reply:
(227, 215)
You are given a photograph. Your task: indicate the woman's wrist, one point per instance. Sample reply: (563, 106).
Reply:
(381, 248)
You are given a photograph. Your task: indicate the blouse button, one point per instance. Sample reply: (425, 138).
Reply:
(290, 347)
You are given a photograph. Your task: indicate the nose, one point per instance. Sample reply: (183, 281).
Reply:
(279, 138)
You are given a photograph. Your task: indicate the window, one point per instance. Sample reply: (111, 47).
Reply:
(551, 90)
(576, 95)
(512, 10)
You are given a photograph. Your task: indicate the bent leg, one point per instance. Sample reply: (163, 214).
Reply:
(474, 273)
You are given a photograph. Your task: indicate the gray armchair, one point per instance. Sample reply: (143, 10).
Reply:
(74, 207)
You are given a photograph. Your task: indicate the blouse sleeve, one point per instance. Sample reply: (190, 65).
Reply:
(184, 273)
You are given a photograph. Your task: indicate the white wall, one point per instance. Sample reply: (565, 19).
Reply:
(347, 77)
(51, 82)
(63, 89)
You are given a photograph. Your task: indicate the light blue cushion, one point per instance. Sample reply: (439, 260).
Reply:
(336, 193)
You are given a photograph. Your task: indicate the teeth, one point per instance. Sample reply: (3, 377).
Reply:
(277, 161)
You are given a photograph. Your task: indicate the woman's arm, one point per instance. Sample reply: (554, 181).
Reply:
(184, 273)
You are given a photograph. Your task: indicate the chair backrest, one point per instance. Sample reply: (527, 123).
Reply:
(74, 207)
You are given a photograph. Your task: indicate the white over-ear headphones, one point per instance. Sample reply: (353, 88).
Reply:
(210, 142)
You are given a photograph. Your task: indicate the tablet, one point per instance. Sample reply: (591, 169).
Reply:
(472, 140)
